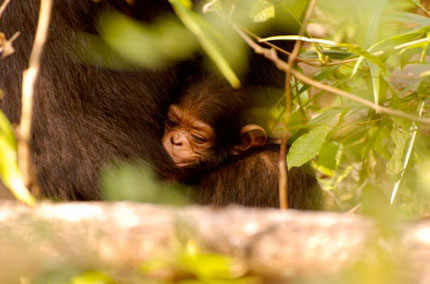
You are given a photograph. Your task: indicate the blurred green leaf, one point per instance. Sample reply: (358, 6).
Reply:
(136, 182)
(261, 11)
(9, 170)
(307, 146)
(92, 277)
(411, 18)
(195, 24)
(208, 266)
(148, 45)
(197, 266)
(376, 14)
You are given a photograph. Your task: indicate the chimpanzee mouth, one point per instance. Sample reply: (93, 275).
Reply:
(184, 164)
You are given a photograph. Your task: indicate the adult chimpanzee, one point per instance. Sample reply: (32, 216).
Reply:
(85, 115)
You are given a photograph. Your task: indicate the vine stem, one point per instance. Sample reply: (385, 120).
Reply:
(29, 79)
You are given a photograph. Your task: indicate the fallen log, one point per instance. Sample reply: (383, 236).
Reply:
(272, 243)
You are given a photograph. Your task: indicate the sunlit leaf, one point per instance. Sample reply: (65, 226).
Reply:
(307, 146)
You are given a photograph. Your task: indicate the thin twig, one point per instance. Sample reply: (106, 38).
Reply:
(283, 174)
(283, 171)
(6, 48)
(277, 48)
(421, 6)
(28, 82)
(282, 65)
(3, 6)
(408, 154)
(354, 209)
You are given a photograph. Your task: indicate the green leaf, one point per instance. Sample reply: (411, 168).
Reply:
(400, 38)
(364, 53)
(328, 155)
(195, 24)
(406, 56)
(328, 117)
(400, 139)
(423, 91)
(307, 146)
(261, 11)
(9, 170)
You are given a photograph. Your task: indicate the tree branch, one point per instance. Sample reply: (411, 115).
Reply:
(28, 82)
(124, 235)
(282, 65)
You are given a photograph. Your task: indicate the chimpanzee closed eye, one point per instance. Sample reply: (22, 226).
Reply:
(205, 126)
(187, 139)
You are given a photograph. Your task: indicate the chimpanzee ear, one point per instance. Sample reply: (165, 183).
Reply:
(251, 135)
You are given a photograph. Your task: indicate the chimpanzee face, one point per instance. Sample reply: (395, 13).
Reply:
(188, 140)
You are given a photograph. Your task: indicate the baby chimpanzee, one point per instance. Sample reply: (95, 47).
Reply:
(206, 128)
(205, 125)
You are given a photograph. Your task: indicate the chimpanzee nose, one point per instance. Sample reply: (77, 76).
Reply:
(176, 140)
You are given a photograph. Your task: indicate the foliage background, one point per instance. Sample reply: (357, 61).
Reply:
(373, 50)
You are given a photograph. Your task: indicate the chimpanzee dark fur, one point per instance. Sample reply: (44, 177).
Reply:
(254, 178)
(85, 116)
